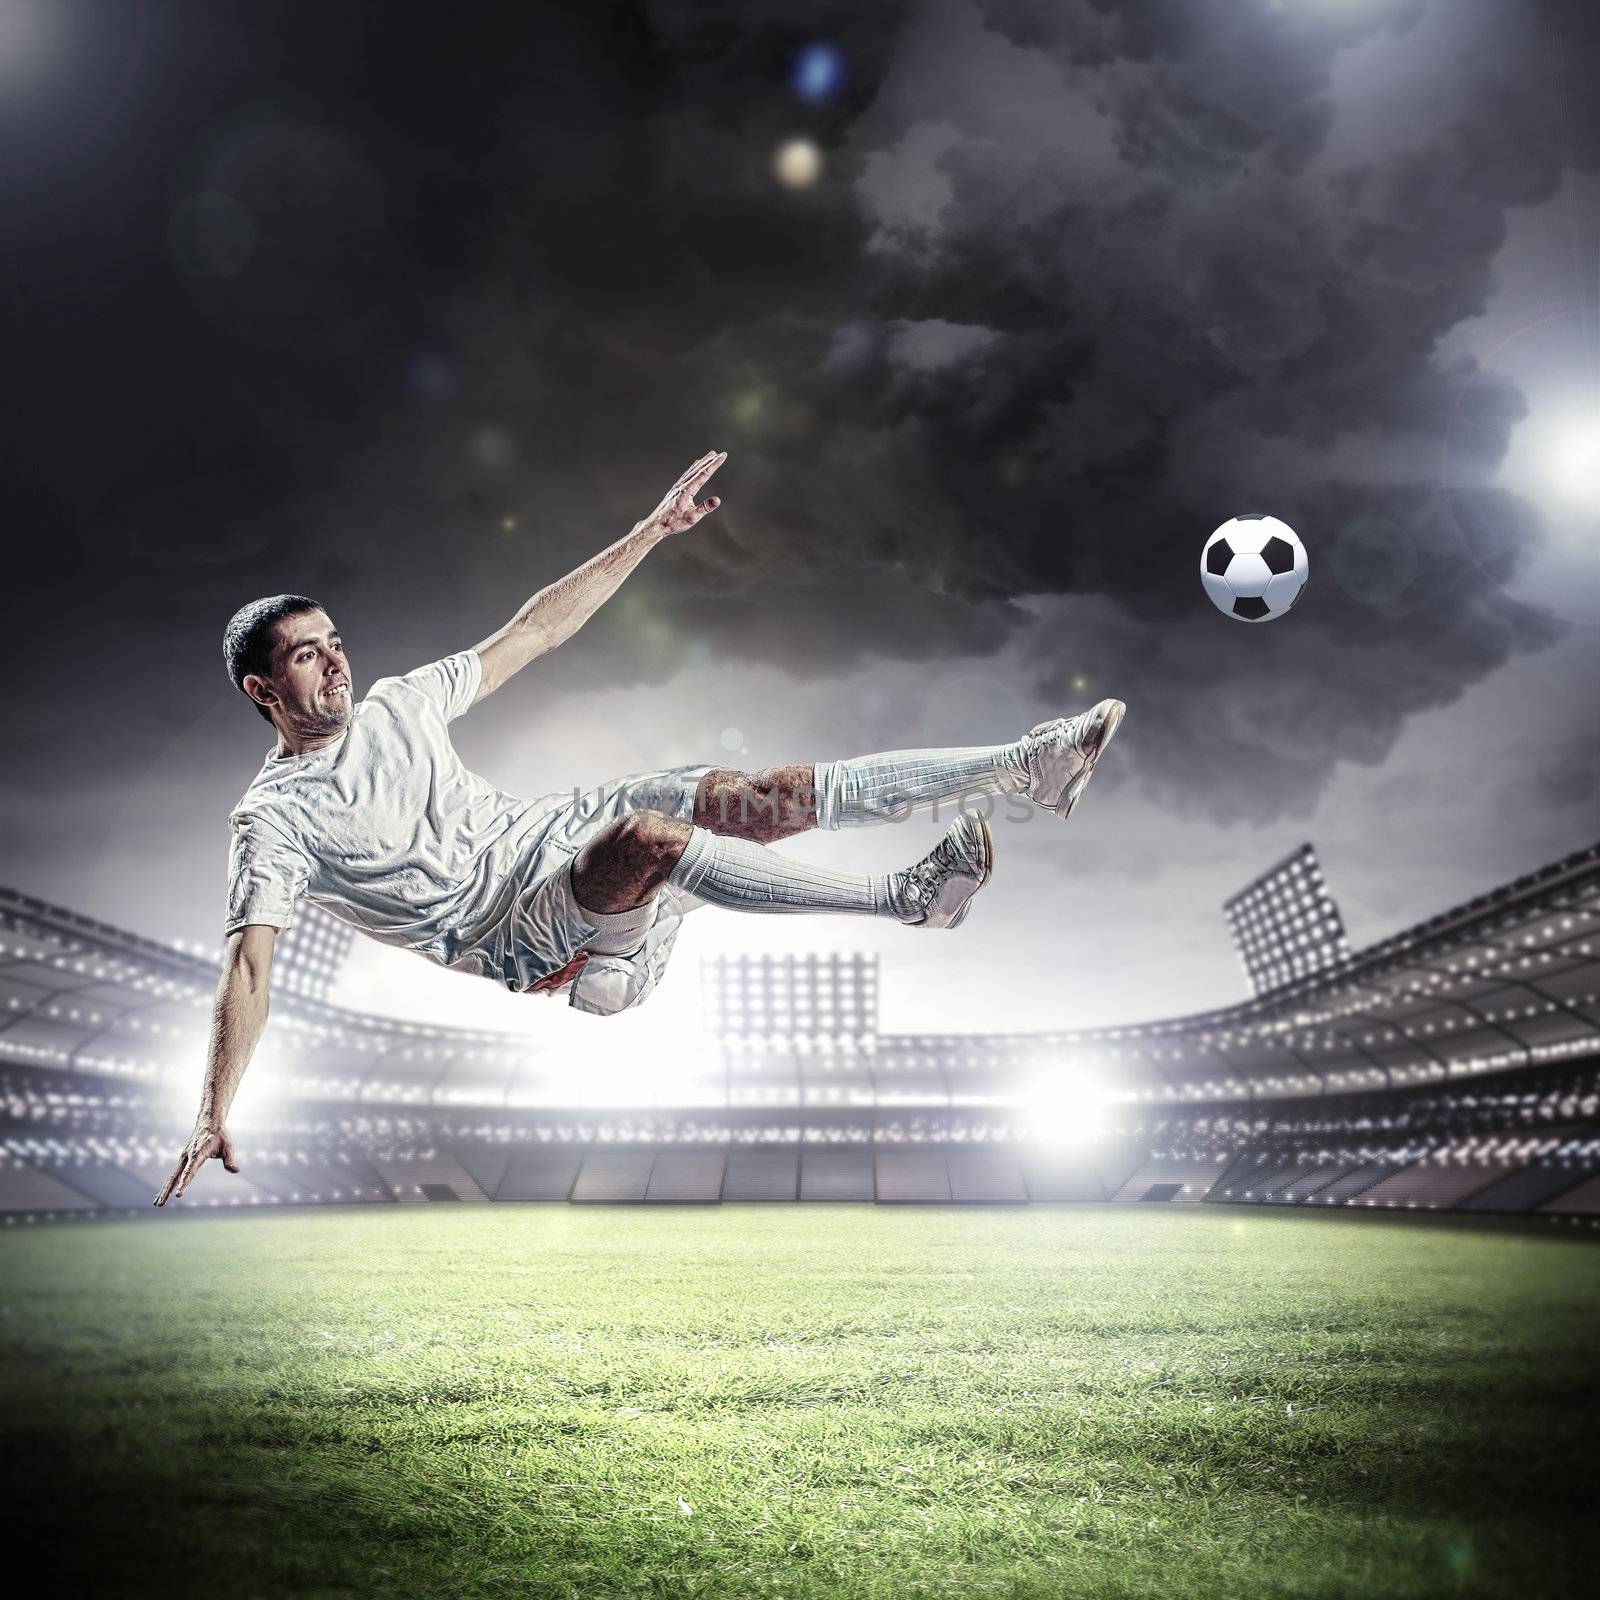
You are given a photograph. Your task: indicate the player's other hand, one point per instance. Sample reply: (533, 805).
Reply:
(553, 982)
(677, 512)
(205, 1142)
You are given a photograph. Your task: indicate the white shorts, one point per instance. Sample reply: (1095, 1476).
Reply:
(545, 927)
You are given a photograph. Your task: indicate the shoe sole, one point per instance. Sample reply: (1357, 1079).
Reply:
(1073, 793)
(988, 868)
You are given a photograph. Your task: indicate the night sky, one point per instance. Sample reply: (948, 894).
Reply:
(414, 308)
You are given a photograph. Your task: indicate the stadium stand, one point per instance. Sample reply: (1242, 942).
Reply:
(25, 1188)
(212, 1185)
(614, 1176)
(1560, 1165)
(1297, 1174)
(1056, 1174)
(542, 1173)
(762, 1175)
(986, 1177)
(108, 1186)
(417, 1178)
(486, 1164)
(1581, 1201)
(1347, 1183)
(681, 1177)
(1439, 1180)
(1168, 1178)
(290, 1181)
(836, 1175)
(1327, 1181)
(904, 1176)
(1456, 1065)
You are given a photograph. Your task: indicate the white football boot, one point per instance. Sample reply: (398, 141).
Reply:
(1061, 755)
(937, 892)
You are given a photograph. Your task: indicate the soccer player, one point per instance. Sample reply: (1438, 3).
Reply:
(366, 809)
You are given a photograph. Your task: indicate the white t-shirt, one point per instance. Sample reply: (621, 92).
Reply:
(385, 827)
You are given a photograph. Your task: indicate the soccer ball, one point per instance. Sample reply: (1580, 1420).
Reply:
(1254, 567)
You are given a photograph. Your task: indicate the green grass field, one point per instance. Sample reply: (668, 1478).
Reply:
(800, 1401)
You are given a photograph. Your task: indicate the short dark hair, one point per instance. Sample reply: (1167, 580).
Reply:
(247, 643)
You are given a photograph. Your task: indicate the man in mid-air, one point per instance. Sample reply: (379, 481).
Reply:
(366, 810)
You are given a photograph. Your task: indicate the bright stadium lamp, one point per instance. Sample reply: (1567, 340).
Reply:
(1063, 1106)
(1554, 456)
(1570, 458)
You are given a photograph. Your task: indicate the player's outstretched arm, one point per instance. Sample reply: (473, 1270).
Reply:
(553, 615)
(237, 1018)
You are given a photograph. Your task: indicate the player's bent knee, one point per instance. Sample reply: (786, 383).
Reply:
(656, 835)
(641, 842)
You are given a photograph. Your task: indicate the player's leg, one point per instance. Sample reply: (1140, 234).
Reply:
(1051, 765)
(763, 807)
(619, 870)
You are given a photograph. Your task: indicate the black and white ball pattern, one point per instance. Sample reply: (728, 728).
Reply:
(1254, 567)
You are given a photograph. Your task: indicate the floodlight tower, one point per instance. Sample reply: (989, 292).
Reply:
(1285, 924)
(827, 999)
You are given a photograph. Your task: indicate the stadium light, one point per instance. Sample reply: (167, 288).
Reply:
(1064, 1106)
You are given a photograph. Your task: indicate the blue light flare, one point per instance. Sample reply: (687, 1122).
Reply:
(818, 72)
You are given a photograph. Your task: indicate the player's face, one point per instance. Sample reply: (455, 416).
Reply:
(311, 674)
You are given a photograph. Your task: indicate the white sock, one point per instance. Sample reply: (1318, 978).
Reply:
(740, 876)
(883, 788)
(621, 932)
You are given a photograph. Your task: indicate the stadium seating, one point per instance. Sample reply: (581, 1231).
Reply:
(762, 1175)
(1583, 1200)
(614, 1177)
(1317, 1183)
(27, 1188)
(836, 1175)
(1557, 1170)
(1169, 1179)
(912, 1176)
(1434, 1183)
(415, 1179)
(1349, 1183)
(1257, 1176)
(212, 1185)
(1054, 1175)
(109, 1187)
(1288, 1188)
(684, 1176)
(541, 1173)
(986, 1177)
(1262, 1177)
(291, 1181)
(1455, 1065)
(486, 1163)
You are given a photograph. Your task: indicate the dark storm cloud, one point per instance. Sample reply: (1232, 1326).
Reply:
(1570, 778)
(1180, 341)
(348, 291)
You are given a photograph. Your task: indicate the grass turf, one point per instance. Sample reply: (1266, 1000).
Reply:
(801, 1401)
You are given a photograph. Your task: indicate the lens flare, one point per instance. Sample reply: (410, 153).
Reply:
(798, 164)
(818, 72)
(1568, 452)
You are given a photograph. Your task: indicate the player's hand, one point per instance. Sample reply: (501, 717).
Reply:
(677, 512)
(552, 982)
(204, 1143)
